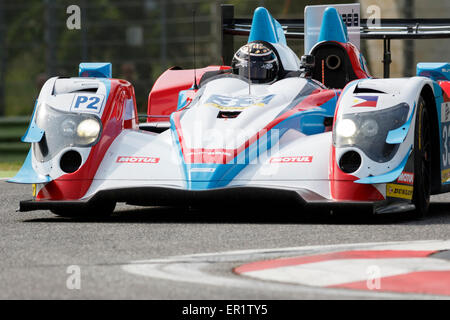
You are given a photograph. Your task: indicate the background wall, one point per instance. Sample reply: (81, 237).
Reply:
(144, 37)
(406, 54)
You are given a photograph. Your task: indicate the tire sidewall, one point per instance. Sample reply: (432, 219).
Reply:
(421, 192)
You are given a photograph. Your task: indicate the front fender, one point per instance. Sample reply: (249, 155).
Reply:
(370, 98)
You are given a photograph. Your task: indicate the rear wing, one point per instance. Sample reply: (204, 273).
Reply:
(386, 30)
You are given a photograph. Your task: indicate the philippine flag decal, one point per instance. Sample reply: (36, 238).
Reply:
(365, 101)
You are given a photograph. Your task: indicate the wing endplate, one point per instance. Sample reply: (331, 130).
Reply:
(266, 28)
(333, 28)
(28, 175)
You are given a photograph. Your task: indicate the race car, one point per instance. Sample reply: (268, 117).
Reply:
(270, 128)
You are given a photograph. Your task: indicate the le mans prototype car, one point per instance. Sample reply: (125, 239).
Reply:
(317, 131)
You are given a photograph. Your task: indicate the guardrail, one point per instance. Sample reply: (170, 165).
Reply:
(11, 130)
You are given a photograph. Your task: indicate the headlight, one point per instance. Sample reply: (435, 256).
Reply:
(68, 128)
(346, 128)
(368, 131)
(88, 131)
(369, 128)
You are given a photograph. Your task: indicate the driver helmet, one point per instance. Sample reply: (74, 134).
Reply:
(264, 65)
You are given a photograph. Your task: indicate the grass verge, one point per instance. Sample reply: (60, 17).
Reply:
(9, 169)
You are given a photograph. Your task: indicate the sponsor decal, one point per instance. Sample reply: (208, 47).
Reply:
(294, 159)
(237, 103)
(399, 191)
(365, 101)
(126, 159)
(202, 170)
(445, 175)
(406, 177)
(211, 152)
(445, 112)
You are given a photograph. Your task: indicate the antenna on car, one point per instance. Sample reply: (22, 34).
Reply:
(195, 71)
(248, 67)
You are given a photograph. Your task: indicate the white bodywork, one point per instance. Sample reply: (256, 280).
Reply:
(396, 91)
(295, 161)
(60, 94)
(202, 129)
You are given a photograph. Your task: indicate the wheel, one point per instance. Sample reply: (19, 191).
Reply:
(422, 161)
(96, 210)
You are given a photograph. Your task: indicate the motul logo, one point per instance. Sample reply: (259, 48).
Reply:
(137, 160)
(297, 159)
(406, 177)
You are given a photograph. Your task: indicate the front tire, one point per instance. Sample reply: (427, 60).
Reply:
(422, 161)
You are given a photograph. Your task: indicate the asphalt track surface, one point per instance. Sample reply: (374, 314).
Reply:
(36, 248)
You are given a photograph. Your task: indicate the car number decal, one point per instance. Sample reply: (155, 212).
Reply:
(237, 103)
(445, 133)
(91, 103)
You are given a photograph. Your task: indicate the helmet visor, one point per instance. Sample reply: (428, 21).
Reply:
(259, 71)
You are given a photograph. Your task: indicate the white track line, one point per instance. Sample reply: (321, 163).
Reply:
(393, 245)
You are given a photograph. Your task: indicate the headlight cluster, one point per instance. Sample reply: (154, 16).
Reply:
(64, 129)
(368, 131)
(84, 132)
(347, 128)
